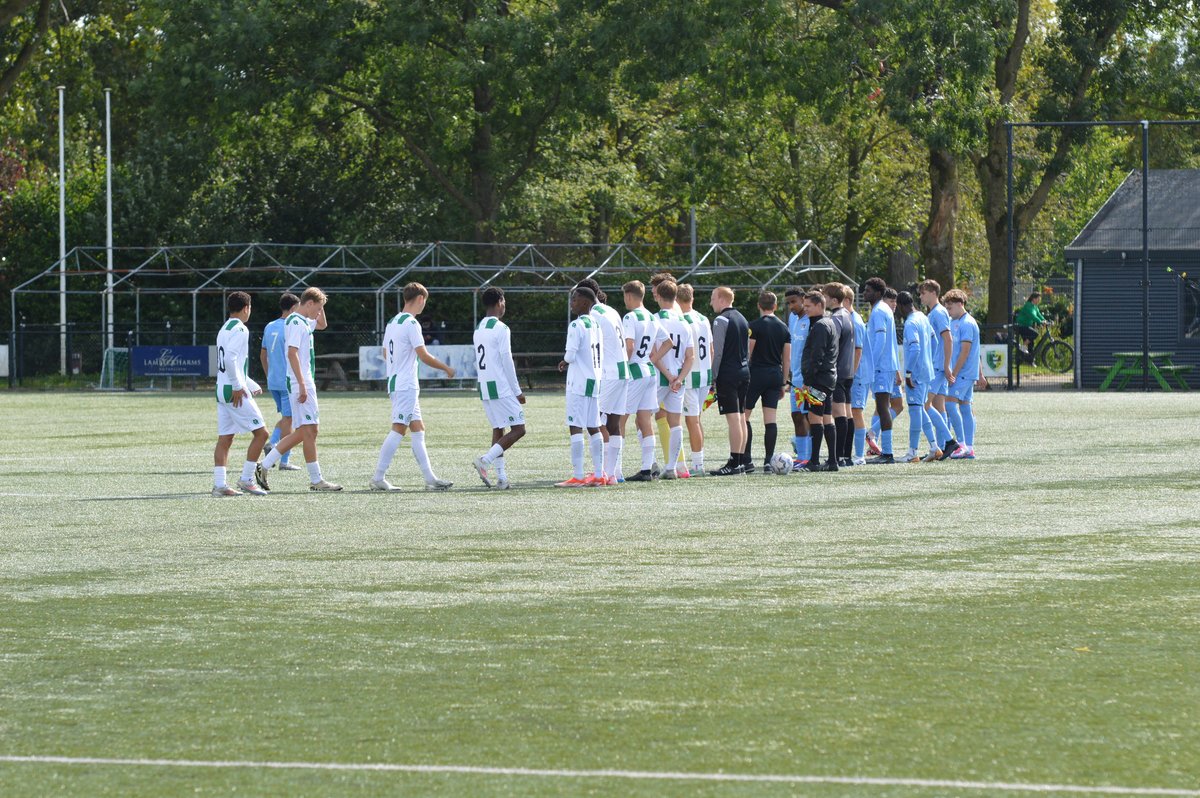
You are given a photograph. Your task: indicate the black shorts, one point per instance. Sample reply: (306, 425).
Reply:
(826, 407)
(765, 384)
(841, 394)
(731, 396)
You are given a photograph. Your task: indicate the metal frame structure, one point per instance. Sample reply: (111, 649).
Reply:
(381, 270)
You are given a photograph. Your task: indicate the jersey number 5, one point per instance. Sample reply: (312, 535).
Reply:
(644, 346)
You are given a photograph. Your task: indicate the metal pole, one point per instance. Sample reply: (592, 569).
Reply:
(692, 226)
(1145, 256)
(1012, 255)
(62, 231)
(108, 203)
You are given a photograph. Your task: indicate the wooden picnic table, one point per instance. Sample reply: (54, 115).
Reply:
(1128, 365)
(335, 366)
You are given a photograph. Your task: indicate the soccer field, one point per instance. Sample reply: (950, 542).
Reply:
(1025, 623)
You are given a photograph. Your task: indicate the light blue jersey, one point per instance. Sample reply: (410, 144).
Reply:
(965, 330)
(865, 368)
(277, 368)
(939, 320)
(918, 348)
(798, 327)
(881, 329)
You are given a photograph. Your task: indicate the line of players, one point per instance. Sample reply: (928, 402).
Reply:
(665, 367)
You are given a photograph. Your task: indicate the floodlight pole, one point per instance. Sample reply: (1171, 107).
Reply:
(1145, 255)
(108, 291)
(62, 232)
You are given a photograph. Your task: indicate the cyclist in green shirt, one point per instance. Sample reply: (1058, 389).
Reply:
(1029, 318)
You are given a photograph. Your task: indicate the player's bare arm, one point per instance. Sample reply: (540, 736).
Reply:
(293, 356)
(431, 361)
(947, 343)
(963, 354)
(322, 322)
(689, 359)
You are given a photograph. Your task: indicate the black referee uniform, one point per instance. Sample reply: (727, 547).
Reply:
(770, 335)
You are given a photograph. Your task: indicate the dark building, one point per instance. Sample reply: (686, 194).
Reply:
(1107, 258)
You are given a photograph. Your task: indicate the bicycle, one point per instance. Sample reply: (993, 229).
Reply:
(1047, 351)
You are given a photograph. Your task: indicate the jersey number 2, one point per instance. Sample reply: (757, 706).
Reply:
(482, 352)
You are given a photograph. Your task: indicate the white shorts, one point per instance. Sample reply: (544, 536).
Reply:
(583, 411)
(671, 401)
(245, 418)
(504, 412)
(612, 397)
(693, 400)
(641, 395)
(306, 412)
(406, 406)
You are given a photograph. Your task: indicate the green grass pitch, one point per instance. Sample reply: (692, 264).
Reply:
(1029, 618)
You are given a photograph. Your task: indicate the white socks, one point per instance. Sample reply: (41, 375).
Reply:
(597, 442)
(612, 455)
(386, 452)
(219, 477)
(248, 470)
(675, 442)
(314, 470)
(420, 455)
(272, 459)
(647, 452)
(501, 472)
(577, 456)
(496, 451)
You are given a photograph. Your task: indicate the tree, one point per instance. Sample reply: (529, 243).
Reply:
(24, 23)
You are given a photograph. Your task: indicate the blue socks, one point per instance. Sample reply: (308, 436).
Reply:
(968, 423)
(885, 442)
(937, 422)
(274, 439)
(875, 426)
(860, 443)
(956, 422)
(916, 422)
(803, 446)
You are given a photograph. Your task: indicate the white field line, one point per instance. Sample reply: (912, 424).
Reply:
(640, 775)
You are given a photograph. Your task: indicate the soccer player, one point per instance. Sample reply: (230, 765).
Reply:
(673, 358)
(614, 374)
(403, 346)
(918, 367)
(964, 370)
(939, 322)
(731, 367)
(643, 335)
(863, 376)
(309, 315)
(769, 348)
(818, 364)
(798, 325)
(837, 412)
(273, 357)
(897, 402)
(498, 387)
(236, 408)
(582, 363)
(695, 389)
(881, 329)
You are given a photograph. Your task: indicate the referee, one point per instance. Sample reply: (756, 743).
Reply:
(731, 373)
(770, 347)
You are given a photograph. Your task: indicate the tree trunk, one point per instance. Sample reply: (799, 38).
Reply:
(991, 171)
(902, 267)
(937, 240)
(853, 230)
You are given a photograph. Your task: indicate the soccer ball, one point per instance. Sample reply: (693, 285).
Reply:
(781, 464)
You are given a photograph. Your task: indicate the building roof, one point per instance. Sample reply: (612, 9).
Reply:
(1174, 215)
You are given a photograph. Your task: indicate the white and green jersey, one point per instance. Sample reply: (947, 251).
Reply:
(233, 361)
(583, 357)
(679, 333)
(614, 364)
(494, 360)
(298, 335)
(701, 374)
(401, 340)
(642, 328)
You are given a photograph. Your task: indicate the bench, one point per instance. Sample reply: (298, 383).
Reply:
(524, 361)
